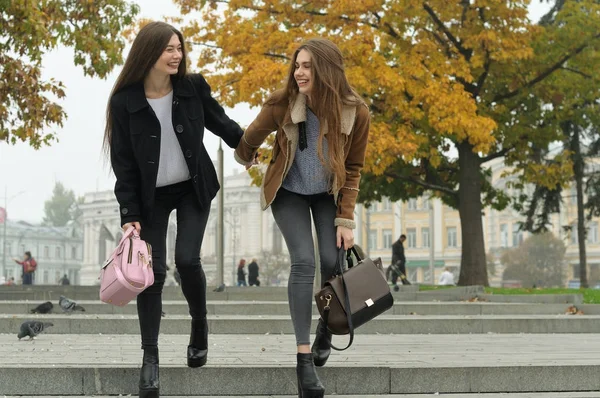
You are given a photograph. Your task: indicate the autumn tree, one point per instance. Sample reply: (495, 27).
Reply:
(538, 261)
(574, 98)
(30, 29)
(451, 85)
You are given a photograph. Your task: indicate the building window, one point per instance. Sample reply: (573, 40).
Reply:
(45, 277)
(387, 239)
(73, 253)
(451, 235)
(387, 205)
(23, 249)
(574, 238)
(411, 237)
(9, 248)
(46, 252)
(426, 203)
(412, 204)
(592, 235)
(58, 253)
(425, 237)
(517, 235)
(503, 235)
(372, 239)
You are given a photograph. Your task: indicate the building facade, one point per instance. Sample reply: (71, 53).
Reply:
(433, 233)
(249, 233)
(57, 250)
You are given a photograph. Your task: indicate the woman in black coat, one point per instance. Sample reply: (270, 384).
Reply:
(156, 118)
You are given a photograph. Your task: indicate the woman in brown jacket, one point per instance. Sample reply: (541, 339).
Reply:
(322, 127)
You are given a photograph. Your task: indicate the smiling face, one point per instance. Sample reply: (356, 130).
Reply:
(303, 72)
(168, 62)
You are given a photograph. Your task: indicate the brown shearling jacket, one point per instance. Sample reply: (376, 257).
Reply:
(284, 119)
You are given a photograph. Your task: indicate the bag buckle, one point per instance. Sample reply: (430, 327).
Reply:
(369, 302)
(328, 299)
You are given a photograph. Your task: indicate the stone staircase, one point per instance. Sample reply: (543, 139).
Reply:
(450, 341)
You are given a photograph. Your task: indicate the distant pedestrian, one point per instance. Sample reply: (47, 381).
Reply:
(10, 281)
(398, 267)
(447, 277)
(253, 273)
(241, 273)
(64, 281)
(29, 266)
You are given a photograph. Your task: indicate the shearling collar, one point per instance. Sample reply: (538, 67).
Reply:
(298, 114)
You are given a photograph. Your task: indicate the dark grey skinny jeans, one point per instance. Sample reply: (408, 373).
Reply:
(292, 214)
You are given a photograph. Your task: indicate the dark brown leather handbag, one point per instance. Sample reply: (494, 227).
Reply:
(355, 296)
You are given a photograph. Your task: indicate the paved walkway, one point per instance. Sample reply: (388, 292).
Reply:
(481, 350)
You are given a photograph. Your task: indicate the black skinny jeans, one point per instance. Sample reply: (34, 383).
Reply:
(191, 224)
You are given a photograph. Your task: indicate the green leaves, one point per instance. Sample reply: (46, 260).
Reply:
(28, 111)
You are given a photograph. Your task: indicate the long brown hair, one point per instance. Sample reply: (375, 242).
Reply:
(148, 46)
(330, 91)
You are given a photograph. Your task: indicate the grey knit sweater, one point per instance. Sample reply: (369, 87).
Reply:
(308, 176)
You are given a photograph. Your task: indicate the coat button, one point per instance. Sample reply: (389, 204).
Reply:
(179, 128)
(188, 154)
(195, 178)
(124, 210)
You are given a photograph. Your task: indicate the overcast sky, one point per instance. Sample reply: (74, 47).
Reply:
(76, 160)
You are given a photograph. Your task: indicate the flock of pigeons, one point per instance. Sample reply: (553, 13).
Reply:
(33, 328)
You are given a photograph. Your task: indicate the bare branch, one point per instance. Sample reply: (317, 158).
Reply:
(422, 183)
(466, 53)
(577, 72)
(495, 155)
(265, 54)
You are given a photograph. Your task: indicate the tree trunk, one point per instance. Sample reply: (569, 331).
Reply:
(473, 270)
(578, 169)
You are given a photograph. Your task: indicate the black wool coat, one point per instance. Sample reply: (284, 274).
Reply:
(135, 143)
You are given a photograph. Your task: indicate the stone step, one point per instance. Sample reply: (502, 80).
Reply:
(179, 307)
(407, 293)
(265, 365)
(277, 324)
(570, 394)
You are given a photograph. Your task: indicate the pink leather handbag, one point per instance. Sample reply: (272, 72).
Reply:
(128, 271)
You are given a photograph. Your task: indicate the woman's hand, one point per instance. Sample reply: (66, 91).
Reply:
(134, 224)
(345, 235)
(253, 162)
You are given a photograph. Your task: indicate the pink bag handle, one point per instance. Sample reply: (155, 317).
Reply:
(131, 231)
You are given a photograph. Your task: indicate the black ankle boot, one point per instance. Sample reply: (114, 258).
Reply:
(321, 348)
(309, 385)
(149, 383)
(198, 349)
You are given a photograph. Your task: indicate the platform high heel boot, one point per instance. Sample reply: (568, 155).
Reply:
(149, 382)
(321, 348)
(309, 385)
(197, 352)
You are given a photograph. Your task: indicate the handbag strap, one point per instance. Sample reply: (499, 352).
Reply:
(339, 264)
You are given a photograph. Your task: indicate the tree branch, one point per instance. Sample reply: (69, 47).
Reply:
(466, 53)
(545, 73)
(219, 48)
(577, 72)
(496, 155)
(422, 183)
